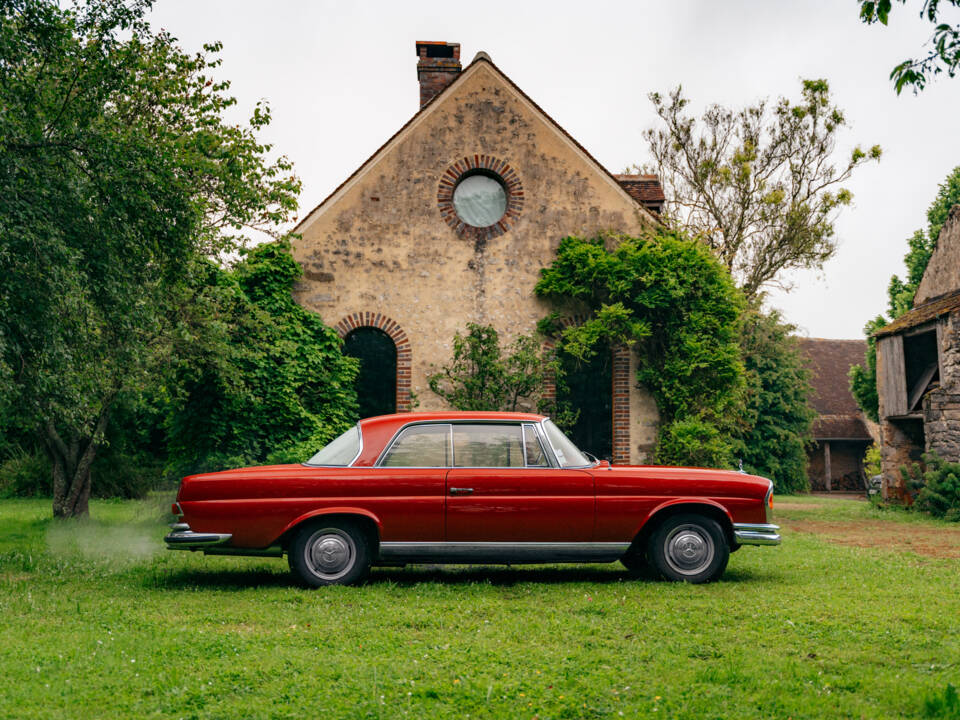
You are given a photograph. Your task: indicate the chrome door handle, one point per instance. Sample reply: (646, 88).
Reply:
(461, 491)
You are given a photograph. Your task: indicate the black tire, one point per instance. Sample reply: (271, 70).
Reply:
(330, 552)
(689, 548)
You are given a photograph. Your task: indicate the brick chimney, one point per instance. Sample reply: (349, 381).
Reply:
(438, 66)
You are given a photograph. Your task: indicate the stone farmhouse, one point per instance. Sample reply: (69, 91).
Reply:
(450, 222)
(918, 367)
(841, 432)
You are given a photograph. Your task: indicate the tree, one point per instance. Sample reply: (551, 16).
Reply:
(944, 55)
(758, 186)
(900, 293)
(672, 301)
(118, 176)
(481, 376)
(265, 381)
(776, 425)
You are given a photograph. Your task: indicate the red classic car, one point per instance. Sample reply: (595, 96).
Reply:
(477, 487)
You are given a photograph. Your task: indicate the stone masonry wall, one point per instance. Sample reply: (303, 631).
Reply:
(942, 275)
(941, 407)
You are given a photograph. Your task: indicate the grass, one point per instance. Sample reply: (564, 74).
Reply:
(98, 621)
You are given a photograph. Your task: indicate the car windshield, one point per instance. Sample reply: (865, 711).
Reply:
(567, 453)
(339, 452)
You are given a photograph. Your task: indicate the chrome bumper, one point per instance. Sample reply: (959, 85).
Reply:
(183, 538)
(756, 534)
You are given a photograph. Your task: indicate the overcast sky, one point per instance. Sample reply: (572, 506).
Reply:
(341, 78)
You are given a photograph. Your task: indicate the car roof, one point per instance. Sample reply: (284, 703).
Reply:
(378, 430)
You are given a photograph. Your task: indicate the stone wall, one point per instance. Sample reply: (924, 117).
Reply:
(941, 407)
(942, 275)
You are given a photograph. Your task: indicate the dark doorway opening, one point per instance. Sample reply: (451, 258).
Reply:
(377, 380)
(588, 387)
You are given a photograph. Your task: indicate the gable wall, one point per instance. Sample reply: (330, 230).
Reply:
(381, 246)
(942, 275)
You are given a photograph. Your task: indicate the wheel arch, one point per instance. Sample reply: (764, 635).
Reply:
(669, 509)
(365, 520)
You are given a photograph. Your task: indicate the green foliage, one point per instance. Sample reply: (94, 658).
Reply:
(939, 491)
(484, 376)
(872, 460)
(944, 53)
(260, 376)
(759, 187)
(863, 378)
(676, 305)
(776, 421)
(900, 293)
(118, 174)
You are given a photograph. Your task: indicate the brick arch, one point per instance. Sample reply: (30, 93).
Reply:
(395, 332)
(620, 392)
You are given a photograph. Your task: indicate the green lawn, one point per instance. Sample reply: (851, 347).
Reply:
(98, 620)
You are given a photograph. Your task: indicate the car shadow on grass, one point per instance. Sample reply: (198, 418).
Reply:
(495, 575)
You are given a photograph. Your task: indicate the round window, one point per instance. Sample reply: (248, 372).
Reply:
(480, 200)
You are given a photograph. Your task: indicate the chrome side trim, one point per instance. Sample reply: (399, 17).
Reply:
(502, 552)
(756, 533)
(183, 538)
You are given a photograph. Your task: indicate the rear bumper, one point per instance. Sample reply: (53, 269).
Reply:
(756, 533)
(183, 538)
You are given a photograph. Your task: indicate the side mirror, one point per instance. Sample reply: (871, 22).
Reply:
(603, 464)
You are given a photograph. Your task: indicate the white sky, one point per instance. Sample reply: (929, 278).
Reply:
(340, 79)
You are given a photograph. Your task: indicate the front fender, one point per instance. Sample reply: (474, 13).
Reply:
(690, 501)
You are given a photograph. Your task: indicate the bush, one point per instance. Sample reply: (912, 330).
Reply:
(939, 494)
(693, 442)
(115, 475)
(25, 475)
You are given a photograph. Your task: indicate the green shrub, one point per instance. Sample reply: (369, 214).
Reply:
(939, 494)
(25, 474)
(693, 442)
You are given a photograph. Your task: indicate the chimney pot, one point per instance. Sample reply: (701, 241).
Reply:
(438, 66)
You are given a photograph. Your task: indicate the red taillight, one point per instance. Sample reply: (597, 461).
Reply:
(770, 500)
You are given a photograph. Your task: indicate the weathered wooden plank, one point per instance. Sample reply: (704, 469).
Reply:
(892, 381)
(827, 470)
(921, 387)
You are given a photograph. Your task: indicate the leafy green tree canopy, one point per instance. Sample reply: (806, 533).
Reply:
(672, 301)
(264, 380)
(760, 185)
(944, 44)
(118, 175)
(481, 376)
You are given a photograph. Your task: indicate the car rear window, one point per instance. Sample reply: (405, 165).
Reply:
(339, 452)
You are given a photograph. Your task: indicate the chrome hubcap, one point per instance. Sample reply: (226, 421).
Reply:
(689, 549)
(330, 553)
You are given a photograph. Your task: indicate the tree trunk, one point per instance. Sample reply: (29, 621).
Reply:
(71, 469)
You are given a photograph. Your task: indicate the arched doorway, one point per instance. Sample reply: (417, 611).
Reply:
(588, 387)
(377, 380)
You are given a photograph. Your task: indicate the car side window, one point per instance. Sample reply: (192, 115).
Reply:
(487, 445)
(536, 457)
(420, 446)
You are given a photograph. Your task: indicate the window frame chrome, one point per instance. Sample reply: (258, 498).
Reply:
(556, 458)
(553, 463)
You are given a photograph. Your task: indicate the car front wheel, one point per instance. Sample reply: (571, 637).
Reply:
(689, 548)
(329, 553)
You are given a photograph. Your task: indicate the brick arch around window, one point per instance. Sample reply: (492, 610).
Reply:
(394, 332)
(620, 394)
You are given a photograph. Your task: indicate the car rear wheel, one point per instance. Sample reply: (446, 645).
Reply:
(689, 548)
(329, 553)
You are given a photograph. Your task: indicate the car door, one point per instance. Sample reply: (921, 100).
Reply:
(502, 488)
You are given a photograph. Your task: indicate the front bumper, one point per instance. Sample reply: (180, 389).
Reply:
(756, 533)
(182, 537)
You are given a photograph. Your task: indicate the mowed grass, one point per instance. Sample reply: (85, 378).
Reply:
(97, 620)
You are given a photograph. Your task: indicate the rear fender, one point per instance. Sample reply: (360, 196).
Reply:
(341, 511)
